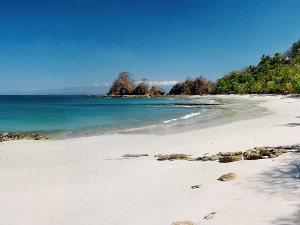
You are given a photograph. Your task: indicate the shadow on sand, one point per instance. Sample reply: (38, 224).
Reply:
(292, 124)
(283, 183)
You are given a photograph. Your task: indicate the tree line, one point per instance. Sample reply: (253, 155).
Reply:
(125, 85)
(279, 74)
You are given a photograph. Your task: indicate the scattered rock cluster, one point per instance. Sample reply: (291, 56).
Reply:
(264, 152)
(251, 154)
(19, 136)
(223, 157)
(134, 155)
(173, 157)
(226, 157)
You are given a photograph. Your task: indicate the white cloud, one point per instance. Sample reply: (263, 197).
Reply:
(95, 85)
(164, 83)
(161, 83)
(28, 90)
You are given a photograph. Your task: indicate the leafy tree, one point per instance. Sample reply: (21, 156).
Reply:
(296, 83)
(275, 74)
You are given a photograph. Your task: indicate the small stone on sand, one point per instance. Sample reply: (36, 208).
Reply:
(196, 186)
(210, 216)
(227, 177)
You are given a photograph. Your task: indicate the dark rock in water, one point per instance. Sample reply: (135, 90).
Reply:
(183, 223)
(134, 155)
(173, 157)
(19, 136)
(227, 177)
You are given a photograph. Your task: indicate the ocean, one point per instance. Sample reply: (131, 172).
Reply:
(78, 115)
(73, 116)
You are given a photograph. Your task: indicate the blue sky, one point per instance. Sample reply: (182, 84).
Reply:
(53, 44)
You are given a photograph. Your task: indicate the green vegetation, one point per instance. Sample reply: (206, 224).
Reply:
(273, 75)
(279, 74)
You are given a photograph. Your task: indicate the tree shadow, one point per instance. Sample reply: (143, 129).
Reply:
(294, 218)
(292, 124)
(281, 182)
(294, 96)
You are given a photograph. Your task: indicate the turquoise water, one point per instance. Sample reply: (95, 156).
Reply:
(77, 115)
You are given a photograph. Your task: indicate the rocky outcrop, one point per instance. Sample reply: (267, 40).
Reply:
(231, 157)
(173, 157)
(157, 92)
(226, 157)
(19, 136)
(227, 177)
(198, 86)
(177, 89)
(251, 154)
(141, 89)
(223, 157)
(263, 152)
(123, 85)
(209, 158)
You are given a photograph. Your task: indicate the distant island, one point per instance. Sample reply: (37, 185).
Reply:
(124, 86)
(273, 75)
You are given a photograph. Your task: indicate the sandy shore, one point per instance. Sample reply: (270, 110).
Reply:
(85, 180)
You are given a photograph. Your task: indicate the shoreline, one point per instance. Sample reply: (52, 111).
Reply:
(217, 111)
(86, 181)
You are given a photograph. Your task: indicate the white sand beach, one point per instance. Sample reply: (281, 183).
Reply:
(85, 181)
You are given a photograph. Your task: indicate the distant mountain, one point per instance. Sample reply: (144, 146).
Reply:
(69, 90)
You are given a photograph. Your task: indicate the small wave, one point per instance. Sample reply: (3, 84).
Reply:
(139, 128)
(169, 121)
(190, 115)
